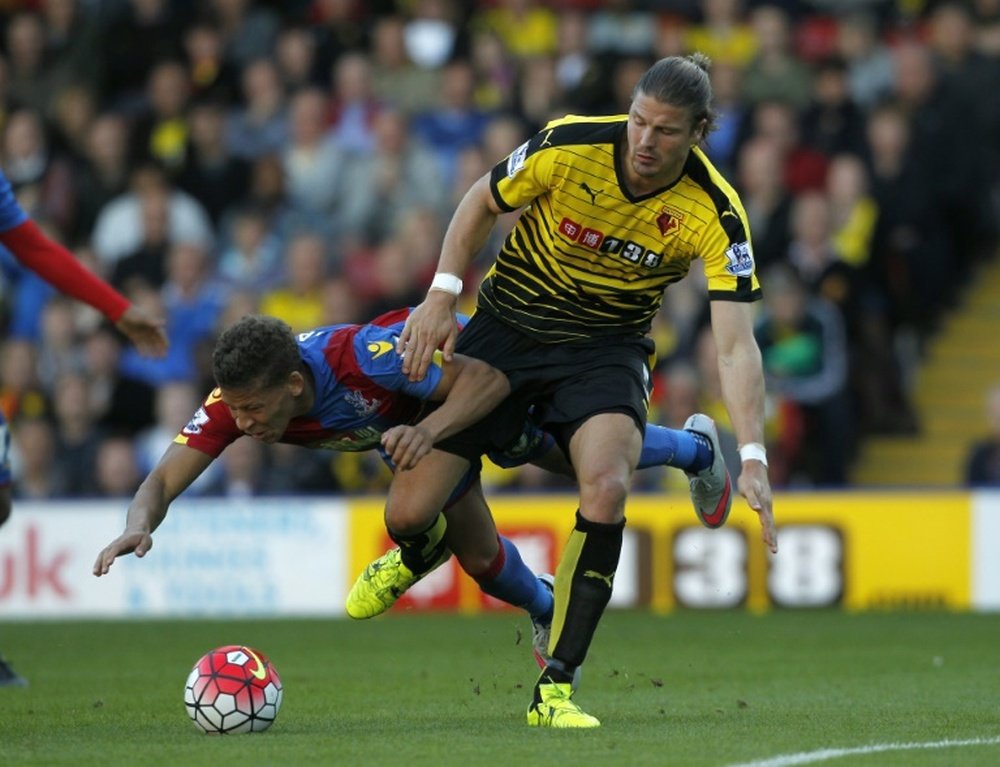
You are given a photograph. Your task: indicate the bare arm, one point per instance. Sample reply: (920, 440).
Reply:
(432, 324)
(742, 377)
(178, 468)
(469, 389)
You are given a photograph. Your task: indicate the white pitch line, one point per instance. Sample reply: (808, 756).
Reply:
(825, 754)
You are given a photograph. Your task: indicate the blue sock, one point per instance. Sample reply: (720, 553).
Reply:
(509, 580)
(674, 447)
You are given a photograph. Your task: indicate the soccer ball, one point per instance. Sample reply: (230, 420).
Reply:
(233, 689)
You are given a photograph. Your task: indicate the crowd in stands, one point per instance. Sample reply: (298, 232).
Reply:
(302, 159)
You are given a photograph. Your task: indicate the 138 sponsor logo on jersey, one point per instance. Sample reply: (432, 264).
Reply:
(602, 243)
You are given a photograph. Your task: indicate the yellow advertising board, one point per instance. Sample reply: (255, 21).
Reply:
(853, 550)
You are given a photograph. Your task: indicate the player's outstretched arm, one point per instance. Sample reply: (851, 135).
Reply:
(60, 268)
(178, 468)
(431, 325)
(742, 378)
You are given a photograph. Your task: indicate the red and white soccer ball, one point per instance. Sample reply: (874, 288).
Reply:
(233, 689)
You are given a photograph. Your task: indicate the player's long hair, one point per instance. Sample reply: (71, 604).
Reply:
(682, 81)
(255, 351)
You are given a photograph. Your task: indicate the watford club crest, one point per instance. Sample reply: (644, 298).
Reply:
(669, 221)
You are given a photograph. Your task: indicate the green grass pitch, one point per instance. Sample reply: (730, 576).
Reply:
(712, 689)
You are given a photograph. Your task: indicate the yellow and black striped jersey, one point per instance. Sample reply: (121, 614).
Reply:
(587, 258)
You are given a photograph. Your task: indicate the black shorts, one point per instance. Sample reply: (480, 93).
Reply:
(561, 385)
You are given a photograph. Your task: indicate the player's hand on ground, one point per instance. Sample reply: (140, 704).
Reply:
(145, 331)
(756, 488)
(406, 445)
(430, 326)
(126, 543)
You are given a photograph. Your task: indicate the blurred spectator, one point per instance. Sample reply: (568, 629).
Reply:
(77, 435)
(247, 30)
(42, 181)
(969, 76)
(211, 173)
(353, 108)
(176, 403)
(454, 123)
(259, 126)
(578, 72)
(398, 176)
(775, 72)
(117, 471)
(761, 181)
(618, 28)
(31, 81)
(340, 26)
(538, 98)
(72, 42)
(71, 115)
(982, 466)
(803, 168)
(139, 34)
(945, 116)
(732, 116)
(59, 351)
(105, 171)
(833, 123)
(21, 392)
(210, 76)
(119, 403)
(295, 55)
(314, 162)
(869, 62)
(148, 262)
(911, 250)
(192, 300)
(242, 471)
(160, 131)
(805, 356)
(341, 303)
(396, 80)
(853, 211)
(723, 34)
(252, 258)
(496, 73)
(35, 475)
(527, 28)
(119, 229)
(298, 299)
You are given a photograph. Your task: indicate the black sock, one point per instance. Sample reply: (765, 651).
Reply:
(583, 587)
(422, 550)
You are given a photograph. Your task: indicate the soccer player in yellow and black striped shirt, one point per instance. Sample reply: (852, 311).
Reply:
(614, 210)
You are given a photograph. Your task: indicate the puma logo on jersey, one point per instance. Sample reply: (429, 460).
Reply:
(545, 141)
(599, 576)
(591, 192)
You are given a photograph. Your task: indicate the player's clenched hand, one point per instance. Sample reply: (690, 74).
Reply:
(428, 327)
(143, 330)
(756, 488)
(126, 543)
(406, 445)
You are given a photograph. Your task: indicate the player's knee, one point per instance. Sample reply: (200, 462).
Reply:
(602, 496)
(476, 562)
(408, 518)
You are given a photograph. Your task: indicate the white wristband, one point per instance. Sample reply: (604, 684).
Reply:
(753, 451)
(447, 283)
